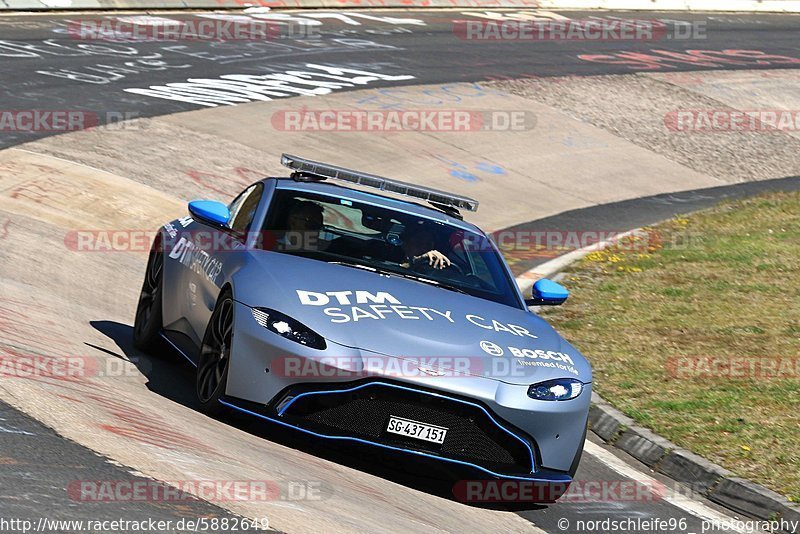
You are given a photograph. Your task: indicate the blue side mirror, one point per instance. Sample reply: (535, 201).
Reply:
(210, 211)
(547, 293)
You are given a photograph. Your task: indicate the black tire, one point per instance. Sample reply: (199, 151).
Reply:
(215, 353)
(149, 319)
(577, 460)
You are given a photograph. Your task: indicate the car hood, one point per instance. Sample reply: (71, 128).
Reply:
(440, 329)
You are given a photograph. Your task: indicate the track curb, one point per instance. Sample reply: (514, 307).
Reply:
(706, 478)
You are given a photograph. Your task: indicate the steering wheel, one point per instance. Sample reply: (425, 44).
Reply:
(476, 280)
(456, 267)
(423, 265)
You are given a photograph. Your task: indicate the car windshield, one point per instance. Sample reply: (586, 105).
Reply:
(371, 237)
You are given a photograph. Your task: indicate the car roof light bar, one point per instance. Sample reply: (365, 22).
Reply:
(324, 171)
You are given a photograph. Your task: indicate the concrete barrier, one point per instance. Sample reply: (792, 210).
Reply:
(775, 6)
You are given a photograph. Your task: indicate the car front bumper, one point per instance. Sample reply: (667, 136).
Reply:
(524, 438)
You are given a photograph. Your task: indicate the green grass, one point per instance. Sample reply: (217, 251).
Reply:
(716, 286)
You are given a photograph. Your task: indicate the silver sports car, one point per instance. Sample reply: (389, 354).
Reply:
(318, 303)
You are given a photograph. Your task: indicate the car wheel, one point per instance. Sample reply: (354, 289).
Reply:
(148, 321)
(215, 355)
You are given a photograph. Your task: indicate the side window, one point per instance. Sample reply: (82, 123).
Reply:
(243, 208)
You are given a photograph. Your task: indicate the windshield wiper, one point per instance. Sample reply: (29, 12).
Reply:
(356, 265)
(448, 287)
(408, 276)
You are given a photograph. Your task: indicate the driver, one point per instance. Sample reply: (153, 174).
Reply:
(303, 224)
(419, 245)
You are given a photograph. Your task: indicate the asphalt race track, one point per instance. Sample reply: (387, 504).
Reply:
(42, 66)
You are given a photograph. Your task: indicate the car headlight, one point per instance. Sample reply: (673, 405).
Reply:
(289, 328)
(556, 390)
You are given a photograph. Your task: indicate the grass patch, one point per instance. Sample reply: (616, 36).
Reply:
(693, 330)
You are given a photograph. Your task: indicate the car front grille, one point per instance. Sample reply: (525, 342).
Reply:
(363, 412)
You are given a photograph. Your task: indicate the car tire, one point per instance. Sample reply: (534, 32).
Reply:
(577, 460)
(148, 321)
(212, 366)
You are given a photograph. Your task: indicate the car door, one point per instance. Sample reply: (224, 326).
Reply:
(232, 246)
(215, 254)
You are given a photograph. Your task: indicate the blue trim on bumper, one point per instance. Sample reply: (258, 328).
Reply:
(545, 478)
(174, 346)
(405, 388)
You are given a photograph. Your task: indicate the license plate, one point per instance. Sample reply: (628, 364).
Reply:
(415, 429)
